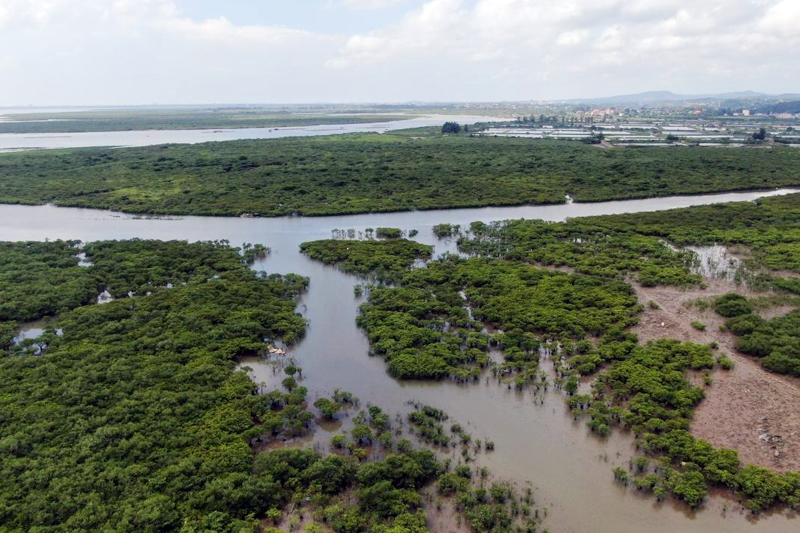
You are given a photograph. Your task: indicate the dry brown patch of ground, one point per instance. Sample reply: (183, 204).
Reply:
(295, 520)
(776, 311)
(747, 409)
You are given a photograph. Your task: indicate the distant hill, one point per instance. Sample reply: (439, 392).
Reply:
(780, 107)
(667, 97)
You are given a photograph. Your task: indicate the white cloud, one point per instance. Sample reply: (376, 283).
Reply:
(359, 5)
(653, 42)
(141, 51)
(147, 51)
(572, 38)
(8, 62)
(611, 39)
(220, 30)
(783, 17)
(423, 29)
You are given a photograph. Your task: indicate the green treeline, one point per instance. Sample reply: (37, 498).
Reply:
(134, 419)
(769, 227)
(39, 279)
(142, 266)
(386, 260)
(775, 342)
(423, 326)
(619, 245)
(585, 246)
(375, 173)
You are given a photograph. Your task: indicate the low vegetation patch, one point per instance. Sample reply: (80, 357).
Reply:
(446, 230)
(384, 260)
(423, 326)
(768, 227)
(775, 342)
(647, 392)
(585, 246)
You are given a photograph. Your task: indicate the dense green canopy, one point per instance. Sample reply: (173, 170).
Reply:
(385, 260)
(361, 173)
(134, 419)
(424, 329)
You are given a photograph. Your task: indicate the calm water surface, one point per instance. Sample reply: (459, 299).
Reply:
(570, 468)
(30, 141)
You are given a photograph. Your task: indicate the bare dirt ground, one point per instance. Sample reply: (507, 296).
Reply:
(747, 409)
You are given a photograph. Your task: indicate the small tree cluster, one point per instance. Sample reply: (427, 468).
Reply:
(451, 127)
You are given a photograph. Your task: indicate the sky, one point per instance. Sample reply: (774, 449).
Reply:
(143, 52)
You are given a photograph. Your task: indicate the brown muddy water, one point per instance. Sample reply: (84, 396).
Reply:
(536, 439)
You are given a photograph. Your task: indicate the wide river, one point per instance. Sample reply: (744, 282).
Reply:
(39, 141)
(570, 468)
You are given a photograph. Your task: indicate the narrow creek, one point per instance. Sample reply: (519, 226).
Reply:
(570, 467)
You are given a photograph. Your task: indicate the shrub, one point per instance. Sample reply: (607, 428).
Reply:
(724, 362)
(731, 305)
(744, 324)
(388, 233)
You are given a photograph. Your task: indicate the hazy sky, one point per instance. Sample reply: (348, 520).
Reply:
(80, 52)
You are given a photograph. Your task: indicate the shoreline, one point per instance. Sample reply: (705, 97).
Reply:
(568, 200)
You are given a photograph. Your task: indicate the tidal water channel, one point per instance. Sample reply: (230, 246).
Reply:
(569, 467)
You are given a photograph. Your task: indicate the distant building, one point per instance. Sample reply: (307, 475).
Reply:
(746, 112)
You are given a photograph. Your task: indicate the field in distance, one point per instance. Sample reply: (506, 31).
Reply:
(181, 118)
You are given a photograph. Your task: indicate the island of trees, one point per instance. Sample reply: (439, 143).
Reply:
(362, 173)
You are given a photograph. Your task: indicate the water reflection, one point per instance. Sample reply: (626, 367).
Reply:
(716, 262)
(31, 331)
